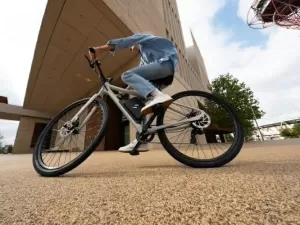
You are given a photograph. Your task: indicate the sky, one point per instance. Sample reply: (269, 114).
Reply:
(19, 27)
(266, 60)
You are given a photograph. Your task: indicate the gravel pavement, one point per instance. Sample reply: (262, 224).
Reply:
(261, 186)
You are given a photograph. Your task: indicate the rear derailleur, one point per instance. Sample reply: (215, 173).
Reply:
(195, 131)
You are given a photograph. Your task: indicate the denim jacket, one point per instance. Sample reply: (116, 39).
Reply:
(152, 48)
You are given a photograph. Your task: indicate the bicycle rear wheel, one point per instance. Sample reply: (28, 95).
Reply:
(59, 150)
(212, 141)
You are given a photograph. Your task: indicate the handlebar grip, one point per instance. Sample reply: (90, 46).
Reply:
(92, 50)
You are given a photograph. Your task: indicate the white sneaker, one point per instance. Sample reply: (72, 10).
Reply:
(130, 147)
(164, 99)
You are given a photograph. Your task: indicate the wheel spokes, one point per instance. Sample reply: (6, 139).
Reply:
(204, 139)
(65, 142)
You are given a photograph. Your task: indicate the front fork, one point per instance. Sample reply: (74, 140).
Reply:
(71, 124)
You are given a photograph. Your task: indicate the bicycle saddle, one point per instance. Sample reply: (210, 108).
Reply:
(168, 80)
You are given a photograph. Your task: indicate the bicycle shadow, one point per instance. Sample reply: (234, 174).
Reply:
(255, 168)
(140, 171)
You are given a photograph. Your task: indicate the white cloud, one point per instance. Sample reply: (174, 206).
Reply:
(19, 27)
(20, 24)
(271, 71)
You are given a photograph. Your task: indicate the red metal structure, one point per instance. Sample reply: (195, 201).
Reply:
(266, 13)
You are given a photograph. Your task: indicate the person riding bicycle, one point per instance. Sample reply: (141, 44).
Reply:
(159, 58)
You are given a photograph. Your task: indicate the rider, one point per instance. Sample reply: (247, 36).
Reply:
(159, 58)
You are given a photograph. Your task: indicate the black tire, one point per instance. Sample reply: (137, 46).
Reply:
(37, 161)
(207, 163)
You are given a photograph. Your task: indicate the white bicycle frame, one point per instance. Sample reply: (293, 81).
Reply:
(108, 89)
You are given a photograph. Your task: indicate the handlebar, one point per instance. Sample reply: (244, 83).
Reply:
(92, 50)
(91, 63)
(96, 64)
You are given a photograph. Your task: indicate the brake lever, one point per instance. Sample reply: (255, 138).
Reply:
(91, 64)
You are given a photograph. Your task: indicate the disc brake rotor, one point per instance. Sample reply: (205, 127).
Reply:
(68, 128)
(202, 123)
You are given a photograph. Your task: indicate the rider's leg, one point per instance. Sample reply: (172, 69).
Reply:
(138, 78)
(130, 147)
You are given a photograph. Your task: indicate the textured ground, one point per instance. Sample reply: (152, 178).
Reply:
(261, 186)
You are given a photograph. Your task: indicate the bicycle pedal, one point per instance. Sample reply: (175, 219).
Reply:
(134, 153)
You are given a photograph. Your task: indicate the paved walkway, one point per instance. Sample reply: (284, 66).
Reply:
(261, 186)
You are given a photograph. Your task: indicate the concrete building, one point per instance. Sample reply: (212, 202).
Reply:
(198, 65)
(68, 28)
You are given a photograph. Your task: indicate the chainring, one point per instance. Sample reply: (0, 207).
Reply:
(145, 138)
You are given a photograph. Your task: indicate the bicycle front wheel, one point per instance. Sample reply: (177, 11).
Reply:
(212, 141)
(60, 149)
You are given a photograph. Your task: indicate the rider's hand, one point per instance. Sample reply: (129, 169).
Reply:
(93, 56)
(134, 48)
(99, 50)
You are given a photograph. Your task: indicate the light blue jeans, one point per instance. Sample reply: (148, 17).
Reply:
(138, 77)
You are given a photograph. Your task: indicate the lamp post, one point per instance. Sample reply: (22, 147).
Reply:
(262, 137)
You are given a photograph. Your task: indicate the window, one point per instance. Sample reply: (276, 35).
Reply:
(3, 100)
(126, 133)
(38, 128)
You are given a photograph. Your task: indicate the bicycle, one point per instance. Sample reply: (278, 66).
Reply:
(195, 116)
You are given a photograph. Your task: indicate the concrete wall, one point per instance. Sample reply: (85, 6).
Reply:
(24, 134)
(174, 32)
(140, 15)
(197, 62)
(14, 112)
(173, 25)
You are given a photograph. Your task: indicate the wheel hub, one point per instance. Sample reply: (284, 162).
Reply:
(68, 128)
(202, 123)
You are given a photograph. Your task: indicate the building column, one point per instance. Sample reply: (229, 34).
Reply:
(27, 134)
(132, 132)
(114, 137)
(211, 137)
(91, 132)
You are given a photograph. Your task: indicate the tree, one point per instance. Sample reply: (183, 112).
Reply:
(9, 148)
(239, 97)
(290, 132)
(1, 142)
(296, 129)
(286, 132)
